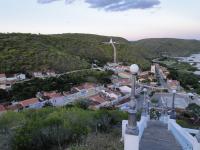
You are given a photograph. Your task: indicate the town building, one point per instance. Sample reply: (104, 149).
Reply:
(124, 75)
(83, 87)
(153, 69)
(6, 81)
(2, 77)
(3, 86)
(16, 107)
(125, 89)
(52, 94)
(38, 75)
(51, 73)
(28, 102)
(2, 81)
(2, 109)
(21, 76)
(173, 85)
(116, 67)
(98, 99)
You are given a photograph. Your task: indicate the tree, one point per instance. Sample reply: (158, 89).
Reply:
(194, 109)
(48, 104)
(83, 103)
(4, 95)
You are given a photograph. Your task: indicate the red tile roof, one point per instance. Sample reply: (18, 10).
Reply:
(28, 102)
(52, 94)
(2, 108)
(86, 86)
(14, 107)
(2, 75)
(97, 98)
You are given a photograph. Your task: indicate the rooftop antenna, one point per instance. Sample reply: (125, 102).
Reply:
(114, 49)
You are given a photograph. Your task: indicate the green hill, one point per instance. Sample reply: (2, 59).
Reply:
(173, 47)
(65, 52)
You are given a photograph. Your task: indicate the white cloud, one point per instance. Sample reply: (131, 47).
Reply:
(114, 5)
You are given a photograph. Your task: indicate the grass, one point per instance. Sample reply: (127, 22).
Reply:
(101, 141)
(3, 142)
(187, 124)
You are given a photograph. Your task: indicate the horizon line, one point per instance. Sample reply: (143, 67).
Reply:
(115, 36)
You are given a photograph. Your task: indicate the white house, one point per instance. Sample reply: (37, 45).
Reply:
(38, 74)
(51, 74)
(2, 86)
(153, 69)
(58, 101)
(2, 81)
(21, 76)
(2, 78)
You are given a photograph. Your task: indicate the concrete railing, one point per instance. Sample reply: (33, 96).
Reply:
(131, 142)
(186, 140)
(142, 124)
(192, 131)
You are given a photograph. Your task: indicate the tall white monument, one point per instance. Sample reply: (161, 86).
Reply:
(114, 50)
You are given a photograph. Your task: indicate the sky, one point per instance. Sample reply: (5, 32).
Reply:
(131, 19)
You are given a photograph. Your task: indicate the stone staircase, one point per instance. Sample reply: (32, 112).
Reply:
(157, 137)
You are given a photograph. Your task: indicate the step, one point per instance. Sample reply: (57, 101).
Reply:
(157, 137)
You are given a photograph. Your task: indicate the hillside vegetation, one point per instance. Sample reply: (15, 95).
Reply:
(172, 47)
(60, 128)
(65, 52)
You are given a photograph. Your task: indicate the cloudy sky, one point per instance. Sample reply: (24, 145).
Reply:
(132, 19)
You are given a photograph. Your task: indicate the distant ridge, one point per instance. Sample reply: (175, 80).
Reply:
(72, 51)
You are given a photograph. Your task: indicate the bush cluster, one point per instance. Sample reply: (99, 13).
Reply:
(58, 128)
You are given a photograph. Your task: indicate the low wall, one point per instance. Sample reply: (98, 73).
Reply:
(185, 139)
(142, 124)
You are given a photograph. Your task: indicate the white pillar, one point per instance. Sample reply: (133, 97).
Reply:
(131, 142)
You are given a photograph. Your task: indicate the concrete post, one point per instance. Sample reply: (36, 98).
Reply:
(133, 100)
(132, 128)
(148, 105)
(173, 113)
(145, 102)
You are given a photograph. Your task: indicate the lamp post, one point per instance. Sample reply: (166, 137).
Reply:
(145, 103)
(173, 113)
(132, 120)
(148, 103)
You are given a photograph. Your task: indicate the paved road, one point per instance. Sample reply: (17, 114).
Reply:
(160, 77)
(58, 75)
(165, 99)
(157, 137)
(152, 87)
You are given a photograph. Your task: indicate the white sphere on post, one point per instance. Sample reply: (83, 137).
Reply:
(134, 68)
(144, 90)
(174, 91)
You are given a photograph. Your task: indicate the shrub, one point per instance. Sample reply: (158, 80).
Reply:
(56, 127)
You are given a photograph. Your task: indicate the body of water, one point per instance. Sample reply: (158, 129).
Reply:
(194, 60)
